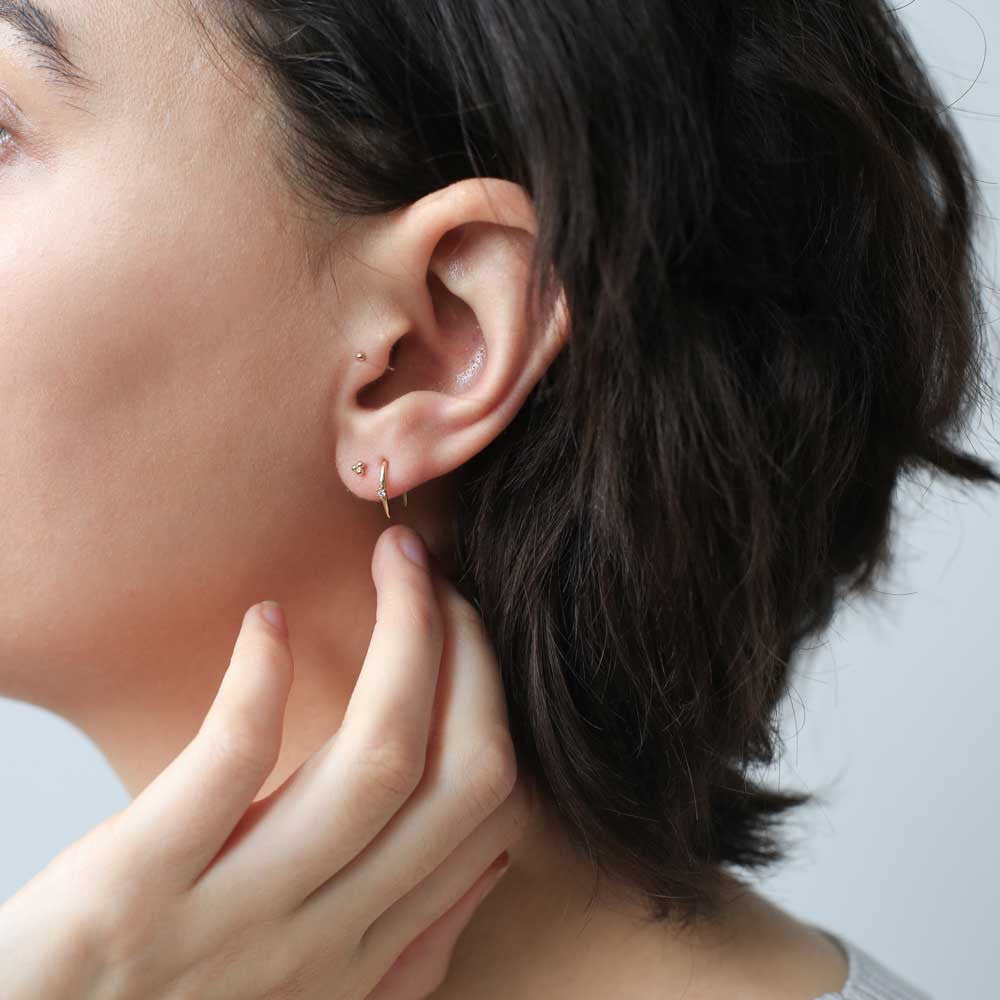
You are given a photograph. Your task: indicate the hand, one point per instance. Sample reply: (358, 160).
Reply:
(351, 880)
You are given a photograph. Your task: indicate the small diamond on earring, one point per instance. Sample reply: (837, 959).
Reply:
(359, 468)
(361, 356)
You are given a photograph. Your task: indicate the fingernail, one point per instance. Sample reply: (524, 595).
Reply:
(271, 612)
(414, 549)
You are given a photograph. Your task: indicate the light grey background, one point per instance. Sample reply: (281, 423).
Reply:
(893, 717)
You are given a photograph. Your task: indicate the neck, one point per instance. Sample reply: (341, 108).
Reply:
(147, 708)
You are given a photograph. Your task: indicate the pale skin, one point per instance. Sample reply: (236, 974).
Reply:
(351, 880)
(183, 409)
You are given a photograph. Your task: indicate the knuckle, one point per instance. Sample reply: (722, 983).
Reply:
(239, 744)
(298, 981)
(490, 777)
(391, 766)
(422, 613)
(412, 609)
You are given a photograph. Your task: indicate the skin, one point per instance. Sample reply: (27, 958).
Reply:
(183, 408)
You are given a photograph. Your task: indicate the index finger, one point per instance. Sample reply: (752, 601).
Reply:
(394, 693)
(346, 792)
(474, 702)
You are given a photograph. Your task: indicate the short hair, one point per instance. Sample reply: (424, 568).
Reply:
(762, 219)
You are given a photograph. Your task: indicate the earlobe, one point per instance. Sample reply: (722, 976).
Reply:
(455, 281)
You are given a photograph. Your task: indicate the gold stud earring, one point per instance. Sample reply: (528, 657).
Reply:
(359, 468)
(361, 356)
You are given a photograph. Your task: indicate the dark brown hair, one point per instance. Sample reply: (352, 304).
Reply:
(762, 218)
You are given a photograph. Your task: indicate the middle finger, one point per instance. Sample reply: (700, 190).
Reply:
(470, 771)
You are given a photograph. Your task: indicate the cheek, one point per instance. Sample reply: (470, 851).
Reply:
(132, 379)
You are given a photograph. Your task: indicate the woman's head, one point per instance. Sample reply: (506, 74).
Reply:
(184, 402)
(757, 225)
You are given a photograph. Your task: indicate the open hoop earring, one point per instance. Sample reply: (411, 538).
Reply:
(381, 491)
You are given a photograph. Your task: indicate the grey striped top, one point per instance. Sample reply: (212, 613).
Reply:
(869, 979)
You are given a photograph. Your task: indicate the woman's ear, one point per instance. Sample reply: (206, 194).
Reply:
(449, 347)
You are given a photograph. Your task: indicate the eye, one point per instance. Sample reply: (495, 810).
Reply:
(6, 139)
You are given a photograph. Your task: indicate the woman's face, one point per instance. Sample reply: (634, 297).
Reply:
(165, 368)
(183, 403)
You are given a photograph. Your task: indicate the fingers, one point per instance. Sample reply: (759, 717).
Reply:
(470, 775)
(390, 707)
(182, 818)
(423, 964)
(425, 904)
(351, 787)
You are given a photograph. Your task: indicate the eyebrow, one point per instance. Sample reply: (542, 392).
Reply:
(39, 30)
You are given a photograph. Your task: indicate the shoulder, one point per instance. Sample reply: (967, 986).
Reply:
(868, 978)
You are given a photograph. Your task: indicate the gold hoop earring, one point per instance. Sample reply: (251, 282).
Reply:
(381, 491)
